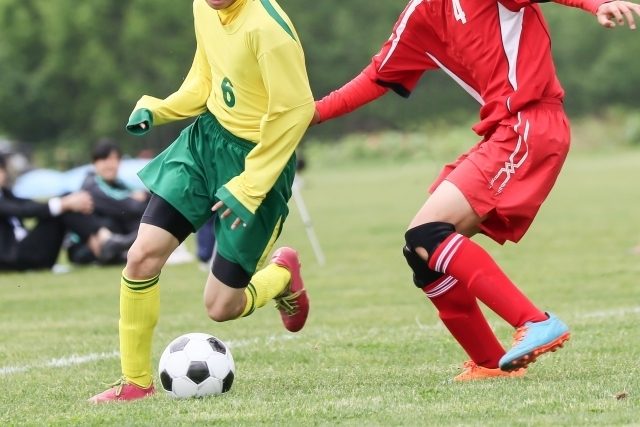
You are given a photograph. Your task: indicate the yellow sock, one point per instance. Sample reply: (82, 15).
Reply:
(265, 285)
(139, 311)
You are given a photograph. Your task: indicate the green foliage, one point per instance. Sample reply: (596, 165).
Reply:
(441, 141)
(374, 352)
(597, 67)
(71, 71)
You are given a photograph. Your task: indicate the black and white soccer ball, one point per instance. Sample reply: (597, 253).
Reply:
(196, 365)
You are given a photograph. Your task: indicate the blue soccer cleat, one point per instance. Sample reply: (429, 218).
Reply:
(533, 340)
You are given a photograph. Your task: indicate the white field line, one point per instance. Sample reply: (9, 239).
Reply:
(62, 362)
(76, 359)
(611, 313)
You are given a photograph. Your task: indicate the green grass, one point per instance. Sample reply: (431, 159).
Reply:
(373, 351)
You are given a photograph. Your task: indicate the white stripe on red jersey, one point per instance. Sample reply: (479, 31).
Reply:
(498, 51)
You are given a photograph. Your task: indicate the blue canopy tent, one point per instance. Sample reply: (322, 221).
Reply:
(44, 183)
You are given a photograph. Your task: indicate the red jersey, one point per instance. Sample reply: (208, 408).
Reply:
(498, 51)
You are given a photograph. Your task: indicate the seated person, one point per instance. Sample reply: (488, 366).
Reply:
(38, 247)
(118, 206)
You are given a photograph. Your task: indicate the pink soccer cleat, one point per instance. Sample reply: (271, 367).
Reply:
(293, 303)
(122, 390)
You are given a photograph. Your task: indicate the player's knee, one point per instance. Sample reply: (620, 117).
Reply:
(217, 314)
(427, 236)
(141, 262)
(422, 274)
(220, 311)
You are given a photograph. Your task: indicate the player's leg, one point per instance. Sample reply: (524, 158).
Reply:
(454, 293)
(433, 233)
(457, 307)
(182, 198)
(240, 252)
(468, 262)
(162, 229)
(503, 208)
(232, 292)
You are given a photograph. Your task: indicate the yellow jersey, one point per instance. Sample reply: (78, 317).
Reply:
(249, 72)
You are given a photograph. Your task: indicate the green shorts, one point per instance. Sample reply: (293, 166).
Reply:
(189, 172)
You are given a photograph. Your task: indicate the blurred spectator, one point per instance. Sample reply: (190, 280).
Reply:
(301, 160)
(146, 153)
(118, 207)
(206, 240)
(23, 248)
(114, 200)
(15, 159)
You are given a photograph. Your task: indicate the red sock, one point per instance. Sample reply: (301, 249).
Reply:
(460, 313)
(465, 260)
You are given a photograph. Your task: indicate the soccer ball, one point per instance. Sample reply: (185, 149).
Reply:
(196, 365)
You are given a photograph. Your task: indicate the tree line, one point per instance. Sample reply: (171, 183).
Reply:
(71, 71)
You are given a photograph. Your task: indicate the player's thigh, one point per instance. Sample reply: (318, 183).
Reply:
(149, 252)
(448, 204)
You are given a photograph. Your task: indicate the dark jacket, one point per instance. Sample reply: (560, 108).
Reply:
(112, 200)
(12, 206)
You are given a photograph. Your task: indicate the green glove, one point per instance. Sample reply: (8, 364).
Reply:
(140, 122)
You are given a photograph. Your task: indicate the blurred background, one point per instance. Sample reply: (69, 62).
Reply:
(71, 72)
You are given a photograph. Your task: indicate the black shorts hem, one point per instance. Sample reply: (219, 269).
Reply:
(161, 213)
(229, 273)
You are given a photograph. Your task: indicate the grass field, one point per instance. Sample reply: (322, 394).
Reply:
(373, 351)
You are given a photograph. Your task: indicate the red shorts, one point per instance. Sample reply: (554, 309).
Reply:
(507, 175)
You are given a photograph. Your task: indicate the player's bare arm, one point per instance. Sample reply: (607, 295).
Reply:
(617, 12)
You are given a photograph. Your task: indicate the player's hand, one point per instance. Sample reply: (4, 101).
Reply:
(236, 223)
(616, 13)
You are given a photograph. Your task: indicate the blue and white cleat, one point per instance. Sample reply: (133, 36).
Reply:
(534, 339)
